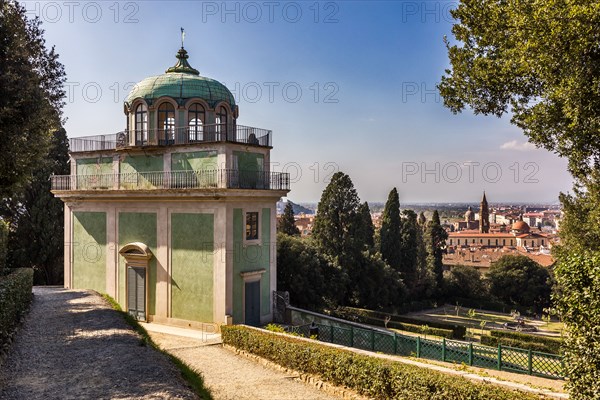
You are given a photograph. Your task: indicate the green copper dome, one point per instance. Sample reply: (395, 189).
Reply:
(181, 82)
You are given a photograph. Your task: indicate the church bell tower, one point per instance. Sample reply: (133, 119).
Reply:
(484, 216)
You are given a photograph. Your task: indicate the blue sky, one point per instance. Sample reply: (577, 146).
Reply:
(346, 85)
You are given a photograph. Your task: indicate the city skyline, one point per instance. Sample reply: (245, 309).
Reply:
(344, 86)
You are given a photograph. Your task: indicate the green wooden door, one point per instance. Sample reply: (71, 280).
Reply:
(136, 292)
(252, 303)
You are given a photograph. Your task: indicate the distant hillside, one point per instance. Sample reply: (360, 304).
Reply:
(298, 209)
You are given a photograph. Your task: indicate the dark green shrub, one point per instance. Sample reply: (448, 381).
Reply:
(15, 297)
(484, 304)
(369, 376)
(364, 319)
(458, 331)
(525, 341)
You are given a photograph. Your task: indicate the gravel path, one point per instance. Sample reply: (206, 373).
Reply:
(74, 346)
(229, 376)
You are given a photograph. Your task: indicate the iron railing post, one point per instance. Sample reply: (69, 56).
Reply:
(499, 357)
(443, 349)
(418, 346)
(470, 354)
(372, 340)
(529, 363)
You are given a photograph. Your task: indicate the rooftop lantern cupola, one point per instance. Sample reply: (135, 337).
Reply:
(182, 64)
(181, 107)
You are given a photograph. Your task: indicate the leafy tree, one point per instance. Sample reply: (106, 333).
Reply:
(37, 237)
(309, 277)
(539, 62)
(520, 281)
(464, 281)
(390, 231)
(578, 277)
(435, 243)
(287, 223)
(378, 286)
(31, 96)
(366, 230)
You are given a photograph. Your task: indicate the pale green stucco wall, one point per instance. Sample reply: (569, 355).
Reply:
(138, 227)
(251, 258)
(192, 244)
(93, 166)
(89, 251)
(194, 161)
(250, 162)
(143, 163)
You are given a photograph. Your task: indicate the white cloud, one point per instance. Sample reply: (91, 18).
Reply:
(514, 145)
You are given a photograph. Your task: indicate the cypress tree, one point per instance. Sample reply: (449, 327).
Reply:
(408, 247)
(336, 221)
(366, 230)
(287, 224)
(390, 231)
(436, 242)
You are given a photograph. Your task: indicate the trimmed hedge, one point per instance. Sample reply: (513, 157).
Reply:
(524, 341)
(364, 319)
(489, 305)
(369, 376)
(15, 297)
(458, 331)
(482, 304)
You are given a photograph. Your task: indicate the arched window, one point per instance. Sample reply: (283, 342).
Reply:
(196, 115)
(222, 123)
(141, 125)
(166, 123)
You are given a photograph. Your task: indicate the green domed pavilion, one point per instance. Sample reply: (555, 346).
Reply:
(175, 216)
(181, 82)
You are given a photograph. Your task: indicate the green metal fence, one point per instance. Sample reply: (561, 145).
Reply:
(501, 358)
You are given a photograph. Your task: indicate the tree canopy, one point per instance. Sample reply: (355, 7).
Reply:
(336, 221)
(36, 240)
(303, 272)
(31, 96)
(538, 61)
(520, 281)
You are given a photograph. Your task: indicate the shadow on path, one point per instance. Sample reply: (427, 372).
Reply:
(74, 346)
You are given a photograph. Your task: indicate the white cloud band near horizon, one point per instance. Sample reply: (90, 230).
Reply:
(515, 145)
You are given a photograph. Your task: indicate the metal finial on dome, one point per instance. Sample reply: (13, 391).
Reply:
(182, 64)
